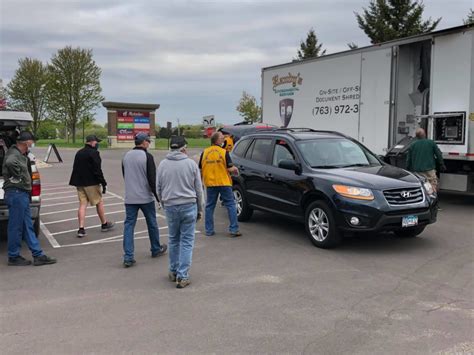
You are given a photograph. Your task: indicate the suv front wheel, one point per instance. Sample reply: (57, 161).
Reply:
(321, 226)
(244, 212)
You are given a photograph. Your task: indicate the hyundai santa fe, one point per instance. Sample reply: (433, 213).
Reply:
(330, 182)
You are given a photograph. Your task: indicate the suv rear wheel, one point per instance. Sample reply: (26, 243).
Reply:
(321, 226)
(244, 212)
(410, 233)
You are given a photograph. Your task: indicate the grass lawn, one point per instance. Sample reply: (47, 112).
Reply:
(161, 143)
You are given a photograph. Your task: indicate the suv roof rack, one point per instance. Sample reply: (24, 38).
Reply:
(307, 130)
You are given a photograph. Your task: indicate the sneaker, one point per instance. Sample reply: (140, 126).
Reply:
(107, 226)
(172, 276)
(163, 250)
(18, 261)
(183, 283)
(81, 233)
(210, 234)
(129, 263)
(236, 234)
(43, 260)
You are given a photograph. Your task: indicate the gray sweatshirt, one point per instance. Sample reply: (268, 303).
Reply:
(178, 181)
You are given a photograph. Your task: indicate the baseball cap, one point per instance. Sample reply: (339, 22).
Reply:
(25, 136)
(92, 138)
(177, 142)
(141, 137)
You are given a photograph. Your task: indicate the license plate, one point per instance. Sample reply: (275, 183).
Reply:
(409, 221)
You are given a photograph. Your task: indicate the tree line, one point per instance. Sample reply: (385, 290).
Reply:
(65, 91)
(381, 21)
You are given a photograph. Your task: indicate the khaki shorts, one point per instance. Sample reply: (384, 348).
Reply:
(91, 194)
(430, 175)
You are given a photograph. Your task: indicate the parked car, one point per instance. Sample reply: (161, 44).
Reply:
(11, 122)
(241, 129)
(330, 182)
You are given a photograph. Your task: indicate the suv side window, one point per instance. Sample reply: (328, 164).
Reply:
(281, 152)
(261, 150)
(241, 147)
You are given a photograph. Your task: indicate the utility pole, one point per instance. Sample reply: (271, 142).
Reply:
(179, 131)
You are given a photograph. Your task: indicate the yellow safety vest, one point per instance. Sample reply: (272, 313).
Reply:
(214, 167)
(229, 144)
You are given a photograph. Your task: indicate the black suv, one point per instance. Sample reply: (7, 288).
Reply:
(330, 182)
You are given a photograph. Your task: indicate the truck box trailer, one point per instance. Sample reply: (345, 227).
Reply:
(381, 94)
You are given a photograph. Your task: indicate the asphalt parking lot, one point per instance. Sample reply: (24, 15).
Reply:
(270, 291)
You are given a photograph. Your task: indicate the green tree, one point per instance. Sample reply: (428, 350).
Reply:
(248, 108)
(310, 48)
(74, 86)
(28, 90)
(470, 18)
(385, 20)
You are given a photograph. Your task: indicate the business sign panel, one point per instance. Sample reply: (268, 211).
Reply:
(130, 123)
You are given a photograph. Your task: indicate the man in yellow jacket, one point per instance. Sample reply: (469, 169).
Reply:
(216, 167)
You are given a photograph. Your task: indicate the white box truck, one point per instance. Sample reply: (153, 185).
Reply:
(380, 94)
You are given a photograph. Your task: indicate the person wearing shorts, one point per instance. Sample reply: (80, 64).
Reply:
(89, 180)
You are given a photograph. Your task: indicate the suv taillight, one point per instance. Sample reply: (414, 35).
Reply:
(36, 184)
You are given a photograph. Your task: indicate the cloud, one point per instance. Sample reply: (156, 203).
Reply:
(192, 57)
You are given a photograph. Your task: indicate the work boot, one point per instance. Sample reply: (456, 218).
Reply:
(81, 233)
(18, 261)
(183, 283)
(172, 276)
(163, 250)
(43, 260)
(107, 226)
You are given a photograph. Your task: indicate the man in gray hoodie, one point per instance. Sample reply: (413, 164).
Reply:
(179, 189)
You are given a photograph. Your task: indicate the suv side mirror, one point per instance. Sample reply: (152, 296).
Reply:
(290, 164)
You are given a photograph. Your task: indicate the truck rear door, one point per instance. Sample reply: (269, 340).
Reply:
(375, 99)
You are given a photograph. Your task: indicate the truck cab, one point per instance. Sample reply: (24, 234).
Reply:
(11, 123)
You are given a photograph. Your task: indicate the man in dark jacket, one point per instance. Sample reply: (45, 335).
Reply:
(16, 172)
(87, 177)
(423, 157)
(139, 173)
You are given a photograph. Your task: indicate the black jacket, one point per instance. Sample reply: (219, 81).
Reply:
(87, 170)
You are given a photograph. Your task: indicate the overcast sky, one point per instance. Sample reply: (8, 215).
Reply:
(192, 57)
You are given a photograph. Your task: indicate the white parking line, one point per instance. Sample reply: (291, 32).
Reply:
(115, 240)
(99, 225)
(59, 198)
(74, 218)
(54, 243)
(57, 193)
(76, 201)
(57, 188)
(75, 209)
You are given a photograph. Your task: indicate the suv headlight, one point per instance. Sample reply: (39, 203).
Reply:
(428, 188)
(357, 193)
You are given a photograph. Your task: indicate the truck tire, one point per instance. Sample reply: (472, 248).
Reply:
(410, 232)
(244, 212)
(321, 227)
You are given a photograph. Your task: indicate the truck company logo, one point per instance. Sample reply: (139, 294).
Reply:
(293, 80)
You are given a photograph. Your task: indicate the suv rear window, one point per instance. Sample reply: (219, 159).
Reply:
(241, 147)
(260, 150)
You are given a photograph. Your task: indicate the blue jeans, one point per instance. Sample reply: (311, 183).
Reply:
(181, 226)
(131, 212)
(20, 225)
(229, 202)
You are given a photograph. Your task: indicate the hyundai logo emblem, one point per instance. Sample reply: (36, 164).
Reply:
(405, 194)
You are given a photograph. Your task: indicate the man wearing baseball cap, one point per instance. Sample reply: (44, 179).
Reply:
(87, 177)
(139, 173)
(16, 172)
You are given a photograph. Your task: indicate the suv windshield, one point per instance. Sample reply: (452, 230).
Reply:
(335, 153)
